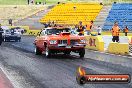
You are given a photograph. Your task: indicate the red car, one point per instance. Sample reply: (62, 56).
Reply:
(59, 40)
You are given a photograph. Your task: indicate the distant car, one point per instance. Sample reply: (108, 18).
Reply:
(19, 29)
(11, 35)
(57, 40)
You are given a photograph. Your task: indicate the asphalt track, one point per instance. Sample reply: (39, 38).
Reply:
(26, 70)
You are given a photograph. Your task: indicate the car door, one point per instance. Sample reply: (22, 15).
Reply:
(41, 39)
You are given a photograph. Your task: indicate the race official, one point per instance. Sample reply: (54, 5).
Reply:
(126, 30)
(81, 29)
(115, 32)
(99, 30)
(88, 27)
(1, 31)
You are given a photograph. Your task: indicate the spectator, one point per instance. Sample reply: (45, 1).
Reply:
(28, 1)
(45, 25)
(81, 29)
(10, 22)
(32, 1)
(74, 7)
(22, 32)
(55, 25)
(88, 27)
(99, 30)
(76, 28)
(1, 31)
(44, 3)
(49, 24)
(115, 32)
(126, 30)
(36, 3)
(39, 3)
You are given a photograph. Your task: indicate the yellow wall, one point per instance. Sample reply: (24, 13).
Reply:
(118, 48)
(97, 43)
(129, 38)
(34, 32)
(29, 32)
(24, 27)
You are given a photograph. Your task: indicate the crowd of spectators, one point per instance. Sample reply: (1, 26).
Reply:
(87, 29)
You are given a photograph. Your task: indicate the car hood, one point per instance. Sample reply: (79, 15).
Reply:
(64, 37)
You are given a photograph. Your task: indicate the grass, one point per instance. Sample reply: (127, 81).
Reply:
(24, 2)
(17, 12)
(13, 2)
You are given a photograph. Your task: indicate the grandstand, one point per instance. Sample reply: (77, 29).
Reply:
(122, 13)
(72, 13)
(67, 12)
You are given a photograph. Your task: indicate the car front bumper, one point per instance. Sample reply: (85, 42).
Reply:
(67, 47)
(12, 38)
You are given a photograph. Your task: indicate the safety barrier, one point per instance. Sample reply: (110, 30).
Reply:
(27, 30)
(129, 39)
(130, 43)
(24, 27)
(34, 32)
(130, 48)
(95, 43)
(118, 48)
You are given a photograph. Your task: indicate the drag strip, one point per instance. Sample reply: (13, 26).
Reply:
(31, 71)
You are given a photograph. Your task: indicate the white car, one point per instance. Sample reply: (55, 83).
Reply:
(11, 35)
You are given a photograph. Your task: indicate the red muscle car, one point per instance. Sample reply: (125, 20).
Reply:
(59, 40)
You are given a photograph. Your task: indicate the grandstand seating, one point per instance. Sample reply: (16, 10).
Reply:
(72, 13)
(122, 13)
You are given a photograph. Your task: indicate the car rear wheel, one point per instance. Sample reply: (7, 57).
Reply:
(82, 53)
(47, 52)
(37, 51)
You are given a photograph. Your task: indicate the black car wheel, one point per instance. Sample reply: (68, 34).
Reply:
(37, 51)
(82, 53)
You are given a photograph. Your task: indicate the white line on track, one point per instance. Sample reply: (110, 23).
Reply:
(16, 80)
(9, 77)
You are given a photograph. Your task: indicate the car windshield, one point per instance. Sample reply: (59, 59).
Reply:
(56, 31)
(7, 31)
